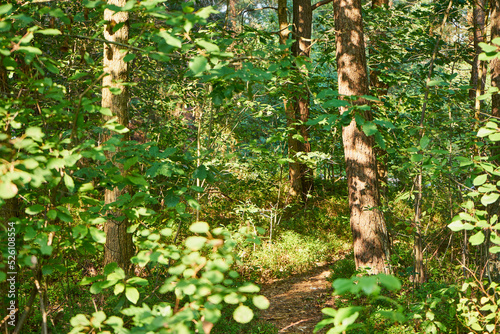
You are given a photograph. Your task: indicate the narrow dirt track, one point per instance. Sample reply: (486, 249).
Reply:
(296, 301)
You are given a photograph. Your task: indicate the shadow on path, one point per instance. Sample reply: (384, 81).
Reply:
(296, 301)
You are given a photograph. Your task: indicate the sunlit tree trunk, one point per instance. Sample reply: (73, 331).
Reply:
(283, 21)
(478, 70)
(301, 179)
(231, 16)
(370, 237)
(119, 246)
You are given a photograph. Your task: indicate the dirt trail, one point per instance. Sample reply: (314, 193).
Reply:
(296, 301)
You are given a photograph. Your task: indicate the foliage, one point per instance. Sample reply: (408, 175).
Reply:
(344, 319)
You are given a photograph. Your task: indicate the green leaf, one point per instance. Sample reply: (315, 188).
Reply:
(68, 182)
(7, 189)
(243, 314)
(477, 238)
(129, 57)
(48, 32)
(34, 209)
(494, 249)
(198, 65)
(97, 318)
(369, 128)
(4, 9)
(169, 39)
(479, 180)
(200, 172)
(489, 198)
(249, 288)
(132, 294)
(424, 141)
(416, 157)
(30, 50)
(79, 320)
(389, 282)
(98, 235)
(199, 227)
(456, 226)
(35, 133)
(487, 47)
(195, 243)
(210, 47)
(261, 302)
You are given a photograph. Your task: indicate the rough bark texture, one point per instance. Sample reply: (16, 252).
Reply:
(119, 246)
(478, 71)
(283, 21)
(231, 16)
(370, 237)
(301, 179)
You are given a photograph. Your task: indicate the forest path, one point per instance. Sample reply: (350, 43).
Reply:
(296, 301)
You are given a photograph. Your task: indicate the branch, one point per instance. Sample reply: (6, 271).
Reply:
(321, 3)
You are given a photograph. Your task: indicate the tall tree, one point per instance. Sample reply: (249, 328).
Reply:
(492, 261)
(300, 175)
(370, 237)
(283, 21)
(380, 88)
(478, 70)
(119, 246)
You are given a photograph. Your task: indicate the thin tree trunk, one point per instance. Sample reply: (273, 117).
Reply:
(231, 16)
(493, 261)
(478, 70)
(370, 237)
(283, 21)
(119, 246)
(380, 88)
(301, 179)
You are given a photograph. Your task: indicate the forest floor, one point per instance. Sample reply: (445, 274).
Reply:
(297, 300)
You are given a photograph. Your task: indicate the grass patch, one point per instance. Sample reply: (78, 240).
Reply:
(293, 253)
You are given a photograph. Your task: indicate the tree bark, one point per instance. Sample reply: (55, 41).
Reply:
(231, 16)
(478, 70)
(370, 237)
(301, 178)
(380, 88)
(283, 21)
(492, 260)
(119, 246)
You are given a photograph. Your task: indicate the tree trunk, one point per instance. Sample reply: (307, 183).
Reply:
(231, 16)
(478, 70)
(380, 88)
(370, 237)
(301, 179)
(119, 246)
(493, 261)
(283, 21)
